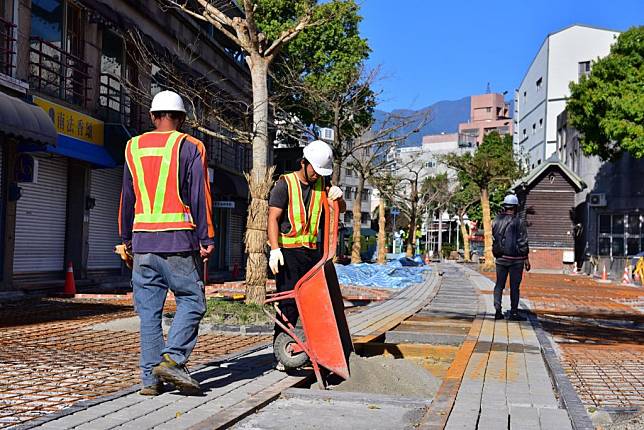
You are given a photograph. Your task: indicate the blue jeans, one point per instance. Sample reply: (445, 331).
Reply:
(515, 271)
(152, 275)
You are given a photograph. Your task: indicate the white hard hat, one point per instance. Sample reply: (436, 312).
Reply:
(320, 155)
(167, 101)
(510, 200)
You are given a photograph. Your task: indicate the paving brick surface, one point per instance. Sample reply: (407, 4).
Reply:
(51, 358)
(599, 332)
(505, 384)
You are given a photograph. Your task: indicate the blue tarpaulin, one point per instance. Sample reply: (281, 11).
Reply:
(394, 274)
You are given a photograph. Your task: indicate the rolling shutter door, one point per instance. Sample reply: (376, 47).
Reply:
(236, 238)
(103, 219)
(41, 219)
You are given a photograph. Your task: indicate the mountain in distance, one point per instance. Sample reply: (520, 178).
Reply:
(444, 117)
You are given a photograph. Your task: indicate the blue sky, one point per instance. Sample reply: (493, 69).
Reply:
(444, 50)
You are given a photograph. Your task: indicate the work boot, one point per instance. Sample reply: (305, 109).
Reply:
(152, 390)
(170, 371)
(514, 316)
(498, 315)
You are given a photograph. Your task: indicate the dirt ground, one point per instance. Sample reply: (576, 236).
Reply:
(386, 375)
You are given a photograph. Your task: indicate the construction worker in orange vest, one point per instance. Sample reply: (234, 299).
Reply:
(295, 209)
(165, 222)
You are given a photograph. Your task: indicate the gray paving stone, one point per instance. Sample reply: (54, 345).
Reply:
(554, 419)
(493, 418)
(524, 418)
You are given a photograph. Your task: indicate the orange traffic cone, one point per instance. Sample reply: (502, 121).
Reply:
(626, 277)
(427, 258)
(70, 284)
(604, 278)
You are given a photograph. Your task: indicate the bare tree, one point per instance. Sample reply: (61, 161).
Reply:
(243, 30)
(210, 109)
(348, 111)
(371, 159)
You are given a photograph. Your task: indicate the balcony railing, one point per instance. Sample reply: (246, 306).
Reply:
(58, 73)
(116, 105)
(7, 45)
(237, 156)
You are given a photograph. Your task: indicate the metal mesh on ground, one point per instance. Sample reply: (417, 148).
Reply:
(51, 358)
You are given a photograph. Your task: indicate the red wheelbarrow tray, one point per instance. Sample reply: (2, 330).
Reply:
(319, 302)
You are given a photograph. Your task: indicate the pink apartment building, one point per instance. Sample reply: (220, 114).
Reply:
(488, 112)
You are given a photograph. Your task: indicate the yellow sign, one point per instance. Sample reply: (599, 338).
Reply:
(73, 124)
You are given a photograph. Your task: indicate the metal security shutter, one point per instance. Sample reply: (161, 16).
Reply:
(103, 218)
(236, 238)
(41, 218)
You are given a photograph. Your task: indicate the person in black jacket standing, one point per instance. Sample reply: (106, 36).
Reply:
(510, 248)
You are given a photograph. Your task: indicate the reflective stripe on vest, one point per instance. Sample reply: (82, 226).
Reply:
(166, 211)
(304, 222)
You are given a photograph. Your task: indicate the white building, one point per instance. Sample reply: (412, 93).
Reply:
(564, 57)
(429, 153)
(349, 180)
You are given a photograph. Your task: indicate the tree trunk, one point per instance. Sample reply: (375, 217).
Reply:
(440, 234)
(259, 182)
(357, 224)
(487, 229)
(411, 237)
(466, 238)
(382, 234)
(337, 168)
(337, 147)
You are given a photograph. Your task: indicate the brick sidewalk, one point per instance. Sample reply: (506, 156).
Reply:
(599, 331)
(51, 357)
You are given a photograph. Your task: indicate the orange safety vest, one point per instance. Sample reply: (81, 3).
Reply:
(153, 160)
(304, 223)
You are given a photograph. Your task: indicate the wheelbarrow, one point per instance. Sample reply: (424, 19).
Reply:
(325, 339)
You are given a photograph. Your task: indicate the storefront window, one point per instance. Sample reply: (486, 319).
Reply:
(604, 246)
(604, 224)
(620, 234)
(618, 224)
(633, 245)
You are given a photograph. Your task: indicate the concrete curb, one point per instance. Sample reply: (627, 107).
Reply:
(86, 404)
(568, 396)
(244, 330)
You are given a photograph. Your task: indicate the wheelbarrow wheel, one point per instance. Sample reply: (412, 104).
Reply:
(282, 350)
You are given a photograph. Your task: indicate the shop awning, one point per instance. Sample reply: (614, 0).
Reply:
(23, 120)
(229, 184)
(74, 148)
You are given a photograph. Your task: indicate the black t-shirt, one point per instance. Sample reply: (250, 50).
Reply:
(279, 199)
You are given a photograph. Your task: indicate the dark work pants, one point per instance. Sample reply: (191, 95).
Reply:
(515, 270)
(297, 261)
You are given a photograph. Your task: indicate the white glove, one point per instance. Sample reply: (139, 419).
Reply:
(275, 260)
(334, 193)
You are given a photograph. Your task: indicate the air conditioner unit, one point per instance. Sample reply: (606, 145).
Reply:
(597, 199)
(326, 133)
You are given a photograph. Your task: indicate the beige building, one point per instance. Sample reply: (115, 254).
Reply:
(488, 113)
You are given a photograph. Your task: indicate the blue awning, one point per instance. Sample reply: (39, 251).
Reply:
(77, 149)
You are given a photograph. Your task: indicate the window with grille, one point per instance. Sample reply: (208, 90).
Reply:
(620, 234)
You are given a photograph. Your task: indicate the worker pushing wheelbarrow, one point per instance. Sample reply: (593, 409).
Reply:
(307, 285)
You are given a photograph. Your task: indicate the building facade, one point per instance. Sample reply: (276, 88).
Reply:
(74, 62)
(488, 113)
(609, 212)
(564, 57)
(547, 201)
